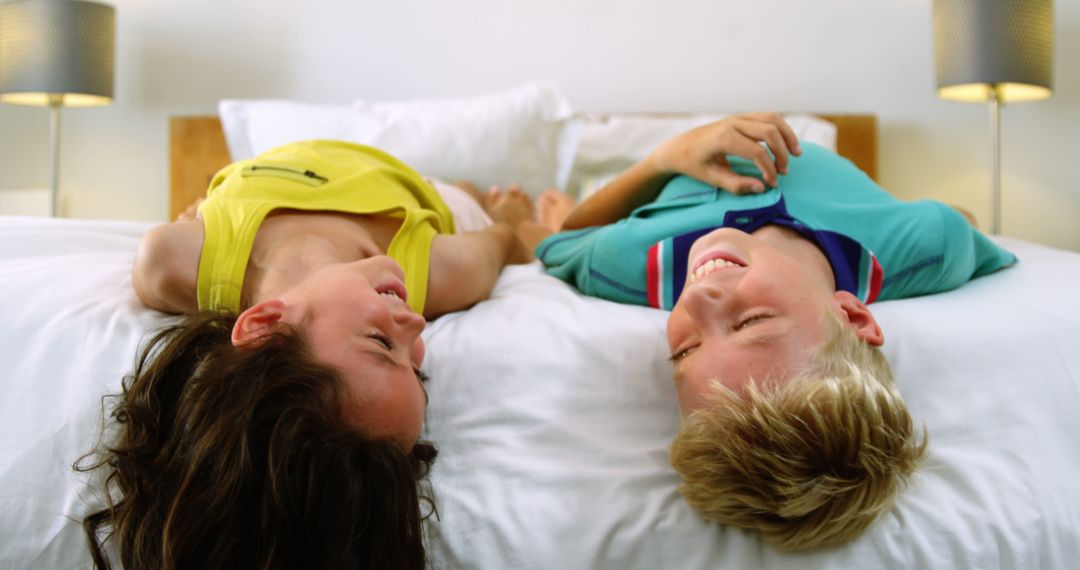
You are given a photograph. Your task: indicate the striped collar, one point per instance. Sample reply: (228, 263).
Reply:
(854, 266)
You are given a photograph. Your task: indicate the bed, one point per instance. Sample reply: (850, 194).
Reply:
(553, 411)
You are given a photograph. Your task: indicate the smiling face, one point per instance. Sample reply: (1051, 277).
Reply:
(355, 319)
(753, 307)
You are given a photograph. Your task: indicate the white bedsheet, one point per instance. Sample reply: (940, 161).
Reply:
(553, 412)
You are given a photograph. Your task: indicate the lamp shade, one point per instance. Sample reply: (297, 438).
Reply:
(994, 47)
(57, 52)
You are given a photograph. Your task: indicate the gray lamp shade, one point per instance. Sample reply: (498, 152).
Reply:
(987, 45)
(57, 52)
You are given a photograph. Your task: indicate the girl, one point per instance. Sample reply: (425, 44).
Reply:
(278, 425)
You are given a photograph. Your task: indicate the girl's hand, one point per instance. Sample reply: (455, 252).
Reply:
(702, 153)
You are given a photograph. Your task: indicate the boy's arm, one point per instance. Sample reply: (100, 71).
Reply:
(700, 153)
(635, 187)
(464, 267)
(967, 215)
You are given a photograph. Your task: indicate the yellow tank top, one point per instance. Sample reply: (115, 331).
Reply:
(315, 175)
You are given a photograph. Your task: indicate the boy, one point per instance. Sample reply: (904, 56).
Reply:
(792, 425)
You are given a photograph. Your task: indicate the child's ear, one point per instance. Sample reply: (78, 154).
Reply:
(860, 318)
(257, 323)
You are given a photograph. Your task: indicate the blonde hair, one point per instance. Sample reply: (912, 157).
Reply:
(809, 462)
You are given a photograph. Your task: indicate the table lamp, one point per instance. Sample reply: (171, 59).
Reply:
(995, 51)
(56, 53)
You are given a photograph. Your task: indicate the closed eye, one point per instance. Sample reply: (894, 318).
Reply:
(678, 356)
(422, 378)
(747, 322)
(383, 340)
(752, 320)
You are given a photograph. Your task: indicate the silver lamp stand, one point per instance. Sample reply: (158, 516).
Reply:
(996, 51)
(55, 102)
(995, 152)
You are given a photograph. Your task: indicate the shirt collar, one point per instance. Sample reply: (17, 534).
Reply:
(854, 266)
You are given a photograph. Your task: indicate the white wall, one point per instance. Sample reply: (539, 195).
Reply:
(180, 57)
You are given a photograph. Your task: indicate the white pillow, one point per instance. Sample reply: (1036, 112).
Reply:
(612, 143)
(525, 135)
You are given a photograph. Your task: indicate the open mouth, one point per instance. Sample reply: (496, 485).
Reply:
(393, 290)
(715, 262)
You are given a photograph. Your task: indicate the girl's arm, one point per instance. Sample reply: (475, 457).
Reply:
(699, 153)
(166, 269)
(464, 267)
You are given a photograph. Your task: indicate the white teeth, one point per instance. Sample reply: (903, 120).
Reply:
(390, 293)
(710, 266)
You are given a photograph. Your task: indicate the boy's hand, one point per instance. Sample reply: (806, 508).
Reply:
(702, 153)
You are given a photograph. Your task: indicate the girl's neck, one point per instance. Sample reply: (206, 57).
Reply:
(291, 246)
(276, 270)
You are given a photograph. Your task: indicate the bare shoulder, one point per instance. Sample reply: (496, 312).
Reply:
(166, 269)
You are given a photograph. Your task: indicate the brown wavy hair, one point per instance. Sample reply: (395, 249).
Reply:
(226, 458)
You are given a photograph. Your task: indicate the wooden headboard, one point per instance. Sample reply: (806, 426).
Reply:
(197, 151)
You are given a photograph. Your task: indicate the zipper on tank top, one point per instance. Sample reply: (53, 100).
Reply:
(303, 176)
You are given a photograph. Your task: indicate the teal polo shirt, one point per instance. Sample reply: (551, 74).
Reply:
(879, 247)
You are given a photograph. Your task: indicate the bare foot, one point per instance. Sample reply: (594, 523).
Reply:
(552, 208)
(511, 206)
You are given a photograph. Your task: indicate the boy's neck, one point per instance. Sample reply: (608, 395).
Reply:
(802, 249)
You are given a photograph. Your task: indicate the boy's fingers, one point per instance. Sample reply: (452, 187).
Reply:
(728, 180)
(749, 148)
(770, 135)
(791, 140)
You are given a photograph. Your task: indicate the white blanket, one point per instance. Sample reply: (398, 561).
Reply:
(553, 413)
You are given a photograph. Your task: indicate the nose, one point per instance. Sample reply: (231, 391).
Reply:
(410, 323)
(705, 303)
